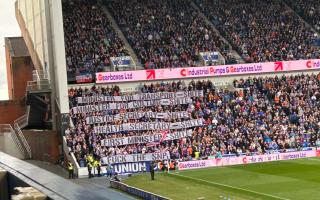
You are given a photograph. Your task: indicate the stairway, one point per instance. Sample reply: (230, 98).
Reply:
(9, 142)
(19, 124)
(36, 89)
(39, 84)
(12, 140)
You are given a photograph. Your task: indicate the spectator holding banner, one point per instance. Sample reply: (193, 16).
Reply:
(259, 115)
(90, 38)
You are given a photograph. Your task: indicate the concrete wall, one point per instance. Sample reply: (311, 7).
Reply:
(29, 15)
(41, 24)
(21, 73)
(44, 145)
(59, 57)
(11, 110)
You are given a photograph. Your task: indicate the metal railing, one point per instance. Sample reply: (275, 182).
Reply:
(39, 81)
(39, 75)
(38, 85)
(23, 120)
(19, 124)
(25, 146)
(7, 129)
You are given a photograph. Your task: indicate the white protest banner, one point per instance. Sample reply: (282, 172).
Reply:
(140, 97)
(136, 157)
(145, 138)
(137, 115)
(148, 126)
(130, 105)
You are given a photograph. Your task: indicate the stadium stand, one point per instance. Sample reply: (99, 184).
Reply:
(261, 30)
(90, 39)
(167, 33)
(259, 115)
(309, 11)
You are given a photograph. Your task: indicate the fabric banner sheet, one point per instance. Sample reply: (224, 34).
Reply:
(136, 157)
(140, 97)
(137, 115)
(130, 105)
(141, 126)
(145, 139)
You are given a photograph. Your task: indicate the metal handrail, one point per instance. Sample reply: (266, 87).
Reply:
(38, 85)
(28, 113)
(16, 140)
(24, 119)
(7, 128)
(40, 81)
(17, 135)
(23, 140)
(39, 74)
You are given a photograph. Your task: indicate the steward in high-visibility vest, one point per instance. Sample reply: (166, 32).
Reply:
(89, 159)
(70, 170)
(196, 155)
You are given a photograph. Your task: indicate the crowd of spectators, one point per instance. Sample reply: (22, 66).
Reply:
(167, 33)
(310, 11)
(263, 30)
(259, 115)
(90, 39)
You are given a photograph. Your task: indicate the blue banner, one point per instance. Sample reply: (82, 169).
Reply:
(211, 56)
(132, 167)
(121, 61)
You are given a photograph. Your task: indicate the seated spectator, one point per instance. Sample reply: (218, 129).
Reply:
(90, 39)
(309, 11)
(261, 30)
(261, 115)
(166, 33)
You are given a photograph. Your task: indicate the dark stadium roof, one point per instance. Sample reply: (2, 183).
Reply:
(17, 46)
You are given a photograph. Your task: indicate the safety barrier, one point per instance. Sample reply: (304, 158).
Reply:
(7, 130)
(135, 191)
(25, 146)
